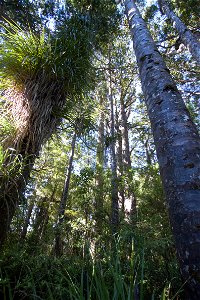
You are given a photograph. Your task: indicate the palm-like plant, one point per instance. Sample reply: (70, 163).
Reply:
(40, 72)
(43, 71)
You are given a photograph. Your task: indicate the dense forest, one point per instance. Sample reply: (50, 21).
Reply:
(100, 150)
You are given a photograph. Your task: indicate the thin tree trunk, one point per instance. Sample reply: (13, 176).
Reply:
(120, 165)
(148, 154)
(65, 193)
(27, 221)
(41, 221)
(127, 158)
(99, 170)
(114, 180)
(64, 198)
(187, 37)
(178, 149)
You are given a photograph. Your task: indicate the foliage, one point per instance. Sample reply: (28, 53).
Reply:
(7, 128)
(73, 277)
(71, 61)
(64, 58)
(188, 10)
(102, 16)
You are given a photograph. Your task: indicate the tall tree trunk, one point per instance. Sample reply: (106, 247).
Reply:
(27, 220)
(186, 36)
(99, 171)
(114, 180)
(41, 221)
(148, 154)
(65, 192)
(127, 158)
(120, 165)
(64, 198)
(178, 149)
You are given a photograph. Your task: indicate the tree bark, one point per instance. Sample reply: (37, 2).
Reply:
(148, 154)
(120, 166)
(27, 220)
(65, 193)
(99, 171)
(114, 179)
(178, 149)
(186, 36)
(127, 158)
(33, 113)
(40, 223)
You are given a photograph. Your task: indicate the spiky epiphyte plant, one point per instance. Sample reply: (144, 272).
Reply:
(41, 72)
(44, 71)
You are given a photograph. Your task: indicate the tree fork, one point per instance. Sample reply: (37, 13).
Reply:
(178, 149)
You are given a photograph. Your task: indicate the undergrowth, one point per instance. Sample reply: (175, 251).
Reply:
(109, 277)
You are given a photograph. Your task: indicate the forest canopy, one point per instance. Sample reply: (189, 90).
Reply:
(100, 150)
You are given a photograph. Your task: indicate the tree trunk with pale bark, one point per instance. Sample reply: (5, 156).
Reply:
(120, 163)
(114, 179)
(178, 149)
(99, 171)
(127, 159)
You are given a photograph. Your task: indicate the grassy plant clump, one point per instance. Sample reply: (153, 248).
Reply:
(63, 56)
(42, 71)
(115, 276)
(7, 128)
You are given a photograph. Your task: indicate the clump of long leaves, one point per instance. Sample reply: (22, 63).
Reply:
(41, 71)
(7, 128)
(64, 56)
(23, 276)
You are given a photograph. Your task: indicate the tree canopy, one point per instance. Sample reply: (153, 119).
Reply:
(100, 162)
